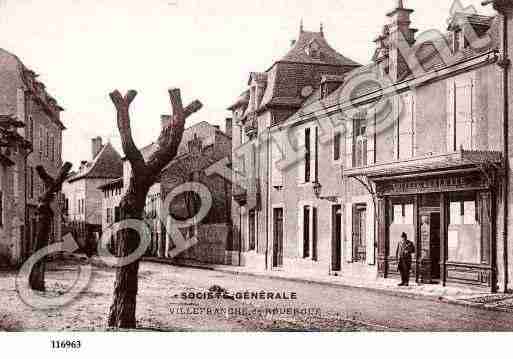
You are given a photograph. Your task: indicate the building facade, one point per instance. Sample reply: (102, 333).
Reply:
(25, 98)
(414, 142)
(203, 144)
(82, 194)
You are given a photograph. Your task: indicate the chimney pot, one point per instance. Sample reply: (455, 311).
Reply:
(96, 146)
(228, 126)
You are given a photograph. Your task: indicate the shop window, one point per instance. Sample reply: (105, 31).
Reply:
(464, 232)
(401, 221)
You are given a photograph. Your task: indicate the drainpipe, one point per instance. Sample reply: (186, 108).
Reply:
(505, 63)
(268, 201)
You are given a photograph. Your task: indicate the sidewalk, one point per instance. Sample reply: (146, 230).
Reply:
(478, 298)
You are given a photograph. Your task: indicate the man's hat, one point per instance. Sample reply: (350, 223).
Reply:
(404, 235)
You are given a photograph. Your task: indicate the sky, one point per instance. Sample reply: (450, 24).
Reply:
(84, 49)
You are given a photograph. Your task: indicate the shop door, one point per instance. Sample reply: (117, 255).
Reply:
(430, 246)
(435, 245)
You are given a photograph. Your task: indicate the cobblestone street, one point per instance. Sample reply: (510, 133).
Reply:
(161, 306)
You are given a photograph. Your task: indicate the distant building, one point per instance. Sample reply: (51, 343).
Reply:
(26, 99)
(83, 197)
(202, 145)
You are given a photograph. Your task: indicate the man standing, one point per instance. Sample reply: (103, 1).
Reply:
(404, 251)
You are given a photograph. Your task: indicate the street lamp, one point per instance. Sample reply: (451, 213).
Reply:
(317, 187)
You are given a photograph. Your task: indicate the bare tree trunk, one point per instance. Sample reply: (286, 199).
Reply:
(44, 221)
(143, 176)
(122, 310)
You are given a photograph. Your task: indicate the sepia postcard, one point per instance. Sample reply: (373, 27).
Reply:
(255, 166)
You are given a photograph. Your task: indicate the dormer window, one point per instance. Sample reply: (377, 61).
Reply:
(313, 50)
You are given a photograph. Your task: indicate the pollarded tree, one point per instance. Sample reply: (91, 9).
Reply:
(143, 175)
(45, 216)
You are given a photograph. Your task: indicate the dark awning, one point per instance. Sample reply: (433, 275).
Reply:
(428, 165)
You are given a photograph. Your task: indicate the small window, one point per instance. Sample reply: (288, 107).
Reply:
(336, 146)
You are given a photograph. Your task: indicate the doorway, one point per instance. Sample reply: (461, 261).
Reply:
(430, 246)
(336, 225)
(278, 237)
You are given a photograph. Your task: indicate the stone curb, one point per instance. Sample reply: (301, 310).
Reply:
(418, 296)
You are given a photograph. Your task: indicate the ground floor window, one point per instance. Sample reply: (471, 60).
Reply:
(401, 221)
(464, 243)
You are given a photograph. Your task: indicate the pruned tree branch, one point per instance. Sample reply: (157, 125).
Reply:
(131, 151)
(171, 136)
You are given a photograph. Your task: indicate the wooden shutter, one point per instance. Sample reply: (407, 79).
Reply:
(314, 239)
(463, 115)
(276, 157)
(301, 155)
(300, 229)
(21, 110)
(371, 138)
(314, 159)
(406, 127)
(349, 143)
(371, 260)
(348, 248)
(450, 116)
(396, 117)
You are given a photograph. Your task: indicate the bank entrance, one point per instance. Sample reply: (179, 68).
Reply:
(446, 208)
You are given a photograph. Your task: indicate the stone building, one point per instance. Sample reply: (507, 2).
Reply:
(83, 197)
(417, 141)
(202, 145)
(25, 98)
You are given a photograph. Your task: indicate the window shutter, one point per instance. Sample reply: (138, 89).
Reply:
(463, 115)
(314, 238)
(276, 157)
(21, 109)
(371, 138)
(414, 124)
(349, 143)
(314, 159)
(300, 226)
(450, 116)
(301, 155)
(348, 248)
(406, 127)
(396, 118)
(371, 260)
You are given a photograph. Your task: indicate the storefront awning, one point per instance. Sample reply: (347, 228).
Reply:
(428, 165)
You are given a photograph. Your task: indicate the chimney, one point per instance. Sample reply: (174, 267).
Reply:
(96, 146)
(228, 126)
(292, 43)
(164, 121)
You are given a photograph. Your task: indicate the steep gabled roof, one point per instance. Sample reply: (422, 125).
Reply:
(107, 164)
(328, 55)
